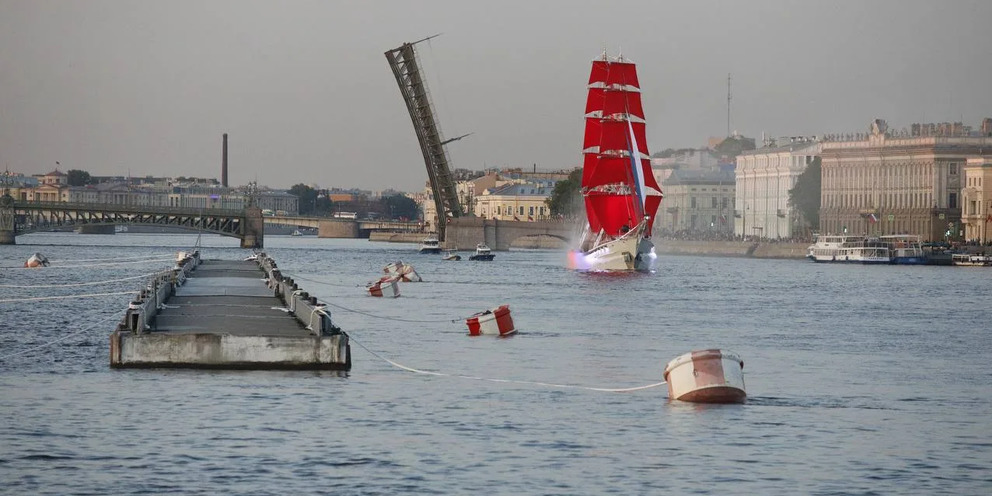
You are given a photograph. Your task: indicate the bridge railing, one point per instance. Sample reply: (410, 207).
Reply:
(129, 209)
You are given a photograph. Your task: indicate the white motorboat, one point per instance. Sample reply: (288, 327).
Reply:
(482, 252)
(430, 245)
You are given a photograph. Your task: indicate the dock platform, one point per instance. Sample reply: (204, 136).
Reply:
(227, 314)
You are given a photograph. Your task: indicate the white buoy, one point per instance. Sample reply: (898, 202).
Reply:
(496, 321)
(36, 260)
(403, 271)
(706, 376)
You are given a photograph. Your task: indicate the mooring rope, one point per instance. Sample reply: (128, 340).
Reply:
(327, 283)
(505, 381)
(111, 281)
(40, 298)
(63, 338)
(397, 319)
(147, 260)
(61, 261)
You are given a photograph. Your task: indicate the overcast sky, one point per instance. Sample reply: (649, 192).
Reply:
(306, 95)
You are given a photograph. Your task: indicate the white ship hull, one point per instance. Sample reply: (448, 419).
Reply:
(628, 253)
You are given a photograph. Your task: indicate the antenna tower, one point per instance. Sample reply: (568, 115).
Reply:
(728, 104)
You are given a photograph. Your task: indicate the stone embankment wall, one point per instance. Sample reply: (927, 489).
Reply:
(731, 249)
(662, 246)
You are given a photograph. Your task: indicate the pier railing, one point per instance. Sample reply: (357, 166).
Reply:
(143, 309)
(306, 308)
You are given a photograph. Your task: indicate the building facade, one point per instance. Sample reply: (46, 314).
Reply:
(976, 199)
(523, 202)
(884, 183)
(698, 201)
(763, 179)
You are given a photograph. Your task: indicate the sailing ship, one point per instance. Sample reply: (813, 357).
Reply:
(620, 192)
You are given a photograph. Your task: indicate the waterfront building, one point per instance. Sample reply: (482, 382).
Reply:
(516, 201)
(976, 199)
(763, 179)
(697, 200)
(908, 182)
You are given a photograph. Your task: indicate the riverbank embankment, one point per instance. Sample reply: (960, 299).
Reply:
(662, 246)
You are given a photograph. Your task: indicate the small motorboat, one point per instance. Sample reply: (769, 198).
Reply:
(482, 252)
(36, 260)
(451, 255)
(296, 233)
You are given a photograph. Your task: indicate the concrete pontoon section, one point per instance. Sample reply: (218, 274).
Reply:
(227, 315)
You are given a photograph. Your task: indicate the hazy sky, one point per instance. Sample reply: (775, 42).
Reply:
(306, 95)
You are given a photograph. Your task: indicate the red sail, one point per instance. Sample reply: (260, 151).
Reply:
(620, 102)
(598, 171)
(600, 68)
(622, 73)
(594, 101)
(608, 180)
(616, 136)
(612, 212)
(594, 133)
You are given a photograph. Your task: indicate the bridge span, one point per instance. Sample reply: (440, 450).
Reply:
(23, 217)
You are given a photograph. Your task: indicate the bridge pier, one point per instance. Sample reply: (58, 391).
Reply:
(254, 228)
(6, 220)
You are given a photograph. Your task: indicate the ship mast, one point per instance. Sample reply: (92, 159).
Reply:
(407, 70)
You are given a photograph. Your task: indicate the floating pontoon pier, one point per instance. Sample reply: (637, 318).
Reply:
(227, 314)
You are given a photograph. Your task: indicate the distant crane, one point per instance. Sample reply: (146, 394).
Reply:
(406, 68)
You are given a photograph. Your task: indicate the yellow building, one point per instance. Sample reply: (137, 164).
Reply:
(523, 202)
(976, 199)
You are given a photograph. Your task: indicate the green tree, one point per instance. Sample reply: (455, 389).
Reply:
(805, 196)
(79, 177)
(401, 206)
(566, 199)
(307, 198)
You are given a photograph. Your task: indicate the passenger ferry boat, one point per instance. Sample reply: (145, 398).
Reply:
(430, 245)
(849, 249)
(904, 249)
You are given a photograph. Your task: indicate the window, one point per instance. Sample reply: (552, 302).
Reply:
(953, 170)
(693, 203)
(952, 200)
(714, 202)
(725, 202)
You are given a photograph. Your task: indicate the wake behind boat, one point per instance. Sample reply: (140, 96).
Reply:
(621, 193)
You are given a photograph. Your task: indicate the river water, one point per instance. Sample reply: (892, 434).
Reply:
(861, 380)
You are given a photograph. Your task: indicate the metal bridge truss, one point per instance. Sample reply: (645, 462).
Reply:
(40, 216)
(406, 69)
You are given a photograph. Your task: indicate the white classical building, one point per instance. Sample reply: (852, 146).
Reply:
(763, 179)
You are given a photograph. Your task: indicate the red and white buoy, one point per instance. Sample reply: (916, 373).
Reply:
(496, 321)
(403, 271)
(384, 287)
(36, 260)
(706, 376)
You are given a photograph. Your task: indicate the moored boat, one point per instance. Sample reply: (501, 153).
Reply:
(849, 249)
(970, 260)
(620, 191)
(430, 245)
(482, 252)
(904, 249)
